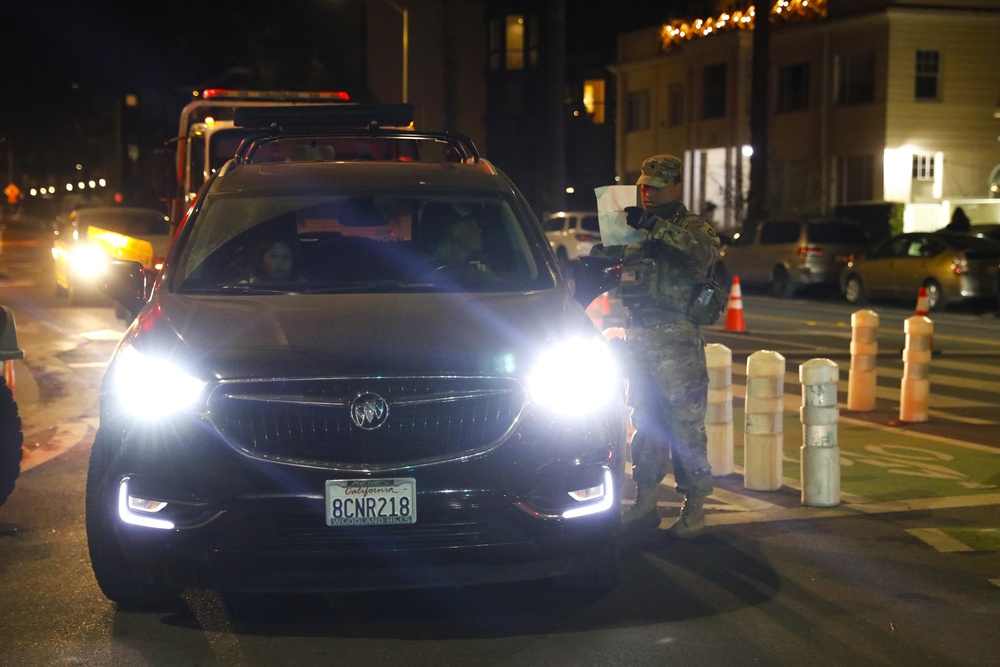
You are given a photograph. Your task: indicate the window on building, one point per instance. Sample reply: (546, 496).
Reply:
(638, 103)
(925, 86)
(713, 91)
(793, 88)
(515, 41)
(855, 178)
(593, 100)
(675, 104)
(512, 42)
(923, 167)
(855, 78)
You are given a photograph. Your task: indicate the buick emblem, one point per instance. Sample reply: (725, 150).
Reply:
(369, 411)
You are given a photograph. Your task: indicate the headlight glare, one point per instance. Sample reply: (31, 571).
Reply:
(136, 373)
(576, 376)
(89, 261)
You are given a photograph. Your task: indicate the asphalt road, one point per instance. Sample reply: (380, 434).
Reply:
(905, 570)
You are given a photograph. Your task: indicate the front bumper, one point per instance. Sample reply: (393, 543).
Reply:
(242, 523)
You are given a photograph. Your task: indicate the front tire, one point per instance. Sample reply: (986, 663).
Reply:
(781, 283)
(114, 573)
(935, 297)
(854, 291)
(11, 441)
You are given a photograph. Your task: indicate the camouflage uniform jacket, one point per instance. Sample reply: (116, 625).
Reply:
(686, 248)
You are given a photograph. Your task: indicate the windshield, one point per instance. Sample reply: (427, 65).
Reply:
(357, 242)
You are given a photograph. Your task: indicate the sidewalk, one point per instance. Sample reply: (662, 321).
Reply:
(883, 469)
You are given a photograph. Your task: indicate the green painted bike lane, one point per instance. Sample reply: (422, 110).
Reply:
(888, 469)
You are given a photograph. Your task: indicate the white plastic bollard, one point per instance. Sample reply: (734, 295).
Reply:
(763, 433)
(861, 379)
(820, 461)
(915, 389)
(719, 415)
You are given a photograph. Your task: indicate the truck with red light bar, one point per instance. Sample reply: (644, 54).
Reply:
(206, 138)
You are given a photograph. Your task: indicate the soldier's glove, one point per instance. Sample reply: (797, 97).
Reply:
(637, 218)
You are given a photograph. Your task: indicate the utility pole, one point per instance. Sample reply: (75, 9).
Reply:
(759, 128)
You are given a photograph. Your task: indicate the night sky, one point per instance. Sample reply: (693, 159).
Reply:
(59, 55)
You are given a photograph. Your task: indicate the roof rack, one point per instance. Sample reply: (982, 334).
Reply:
(381, 121)
(324, 117)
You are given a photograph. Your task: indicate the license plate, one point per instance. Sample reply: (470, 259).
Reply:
(371, 502)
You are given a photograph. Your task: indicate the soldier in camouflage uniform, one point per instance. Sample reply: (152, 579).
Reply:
(668, 382)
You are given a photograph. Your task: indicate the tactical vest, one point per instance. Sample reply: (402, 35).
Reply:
(649, 282)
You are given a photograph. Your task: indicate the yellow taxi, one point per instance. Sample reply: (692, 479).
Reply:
(89, 238)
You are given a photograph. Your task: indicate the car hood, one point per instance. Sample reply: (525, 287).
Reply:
(216, 337)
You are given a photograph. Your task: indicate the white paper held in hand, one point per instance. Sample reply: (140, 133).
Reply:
(611, 203)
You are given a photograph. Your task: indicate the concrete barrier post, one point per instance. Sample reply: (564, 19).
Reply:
(861, 379)
(719, 416)
(820, 453)
(915, 388)
(763, 433)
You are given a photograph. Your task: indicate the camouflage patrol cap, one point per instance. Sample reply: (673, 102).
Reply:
(659, 170)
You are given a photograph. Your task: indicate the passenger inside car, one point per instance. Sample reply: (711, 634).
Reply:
(275, 262)
(461, 244)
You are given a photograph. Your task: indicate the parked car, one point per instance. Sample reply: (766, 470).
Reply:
(572, 234)
(952, 266)
(787, 254)
(88, 238)
(390, 413)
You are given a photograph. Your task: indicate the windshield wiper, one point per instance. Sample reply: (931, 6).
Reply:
(241, 288)
(371, 286)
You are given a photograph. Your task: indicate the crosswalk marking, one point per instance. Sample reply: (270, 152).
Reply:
(939, 540)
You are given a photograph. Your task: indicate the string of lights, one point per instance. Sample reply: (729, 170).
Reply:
(682, 30)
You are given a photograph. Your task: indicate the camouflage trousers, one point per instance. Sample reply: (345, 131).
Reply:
(668, 393)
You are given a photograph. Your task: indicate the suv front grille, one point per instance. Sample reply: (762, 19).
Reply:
(309, 421)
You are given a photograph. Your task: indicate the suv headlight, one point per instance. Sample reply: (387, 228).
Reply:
(575, 376)
(135, 373)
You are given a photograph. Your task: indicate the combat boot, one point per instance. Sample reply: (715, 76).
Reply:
(642, 514)
(692, 519)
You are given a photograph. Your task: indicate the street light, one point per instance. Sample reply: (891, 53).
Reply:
(406, 44)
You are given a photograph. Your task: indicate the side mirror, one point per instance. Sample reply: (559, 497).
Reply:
(595, 276)
(125, 283)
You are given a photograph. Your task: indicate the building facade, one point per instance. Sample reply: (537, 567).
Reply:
(880, 100)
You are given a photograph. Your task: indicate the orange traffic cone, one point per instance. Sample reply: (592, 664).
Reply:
(922, 310)
(921, 303)
(614, 332)
(599, 308)
(734, 309)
